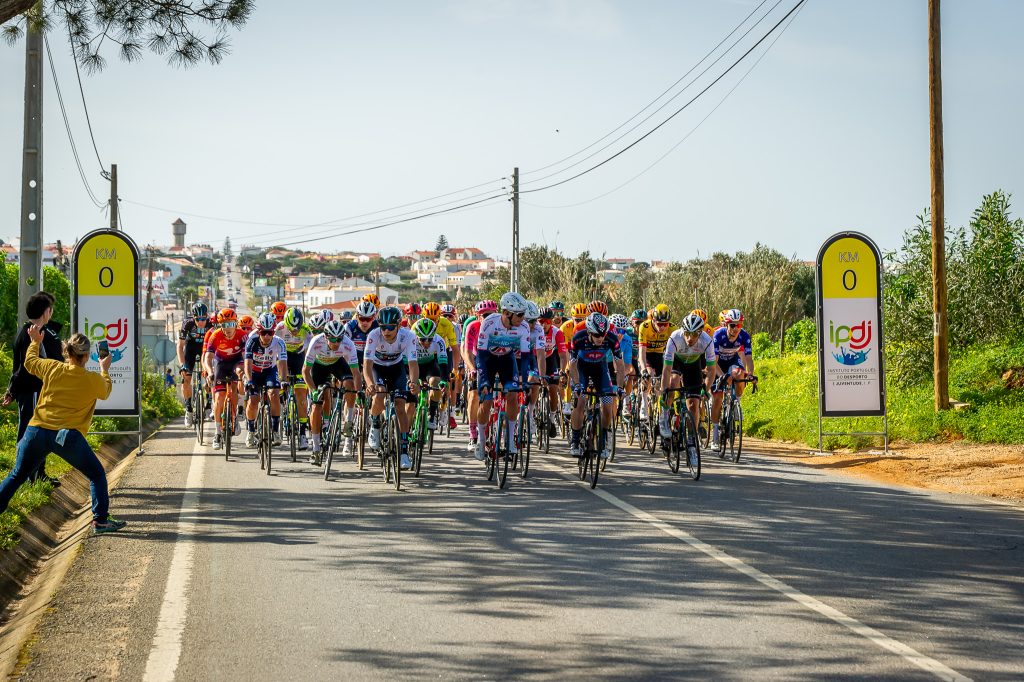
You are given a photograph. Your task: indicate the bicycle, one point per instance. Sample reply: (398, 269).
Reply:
(589, 462)
(496, 448)
(685, 437)
(228, 417)
(524, 437)
(704, 423)
(290, 417)
(421, 436)
(333, 428)
(730, 427)
(388, 450)
(264, 432)
(198, 401)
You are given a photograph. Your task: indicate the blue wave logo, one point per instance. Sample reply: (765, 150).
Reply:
(851, 358)
(115, 355)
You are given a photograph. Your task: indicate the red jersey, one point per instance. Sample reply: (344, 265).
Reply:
(223, 348)
(554, 340)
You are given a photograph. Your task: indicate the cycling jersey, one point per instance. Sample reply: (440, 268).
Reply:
(465, 325)
(224, 350)
(677, 350)
(626, 343)
(294, 342)
(537, 341)
(435, 351)
(358, 335)
(568, 329)
(446, 330)
(585, 350)
(554, 341)
(192, 333)
(262, 356)
(499, 340)
(458, 332)
(652, 339)
(470, 338)
(403, 348)
(320, 353)
(729, 351)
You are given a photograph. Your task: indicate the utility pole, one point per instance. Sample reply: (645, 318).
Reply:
(30, 251)
(514, 279)
(940, 329)
(113, 196)
(149, 283)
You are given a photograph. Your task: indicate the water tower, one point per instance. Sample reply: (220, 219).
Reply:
(178, 228)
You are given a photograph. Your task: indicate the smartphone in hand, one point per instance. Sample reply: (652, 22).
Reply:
(102, 349)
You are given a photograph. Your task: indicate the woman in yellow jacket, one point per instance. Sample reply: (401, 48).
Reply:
(61, 420)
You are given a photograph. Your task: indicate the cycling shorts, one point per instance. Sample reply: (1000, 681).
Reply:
(489, 367)
(267, 377)
(223, 372)
(193, 349)
(656, 361)
(692, 374)
(552, 365)
(394, 378)
(295, 363)
(596, 375)
(321, 374)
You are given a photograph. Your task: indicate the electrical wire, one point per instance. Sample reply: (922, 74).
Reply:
(655, 100)
(67, 127)
(685, 137)
(85, 107)
(674, 114)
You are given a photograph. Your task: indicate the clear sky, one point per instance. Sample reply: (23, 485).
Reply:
(352, 107)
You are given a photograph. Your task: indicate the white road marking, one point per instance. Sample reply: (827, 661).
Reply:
(881, 639)
(166, 651)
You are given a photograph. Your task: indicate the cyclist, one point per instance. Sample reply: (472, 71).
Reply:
(588, 365)
(295, 334)
(358, 328)
(703, 314)
(455, 387)
(326, 316)
(579, 314)
(688, 352)
(316, 323)
(735, 361)
(279, 309)
(653, 336)
(620, 327)
(501, 341)
(246, 324)
(557, 312)
(446, 330)
(390, 364)
(330, 355)
(432, 356)
(557, 359)
(190, 345)
(374, 299)
(470, 338)
(412, 313)
(266, 361)
(533, 365)
(224, 347)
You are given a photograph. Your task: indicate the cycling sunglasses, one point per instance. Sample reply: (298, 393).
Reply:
(365, 319)
(267, 332)
(229, 325)
(334, 339)
(202, 319)
(733, 326)
(519, 315)
(388, 327)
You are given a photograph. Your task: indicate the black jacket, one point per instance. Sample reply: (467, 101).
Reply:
(24, 384)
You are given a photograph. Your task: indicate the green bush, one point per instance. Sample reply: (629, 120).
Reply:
(763, 346)
(802, 336)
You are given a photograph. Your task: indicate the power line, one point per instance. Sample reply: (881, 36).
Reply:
(653, 101)
(67, 127)
(667, 102)
(85, 107)
(685, 137)
(674, 114)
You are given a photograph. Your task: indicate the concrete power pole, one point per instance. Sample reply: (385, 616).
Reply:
(514, 279)
(149, 283)
(113, 196)
(940, 329)
(31, 255)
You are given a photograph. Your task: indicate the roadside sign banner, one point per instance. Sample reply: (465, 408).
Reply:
(105, 302)
(850, 340)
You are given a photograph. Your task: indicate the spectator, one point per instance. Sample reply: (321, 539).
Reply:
(23, 387)
(63, 413)
(168, 379)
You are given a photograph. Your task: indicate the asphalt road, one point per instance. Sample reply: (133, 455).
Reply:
(760, 569)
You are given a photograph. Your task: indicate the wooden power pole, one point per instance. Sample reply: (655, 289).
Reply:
(940, 325)
(113, 196)
(31, 250)
(514, 279)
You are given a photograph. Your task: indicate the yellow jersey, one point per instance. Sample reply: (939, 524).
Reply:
(446, 330)
(568, 328)
(652, 339)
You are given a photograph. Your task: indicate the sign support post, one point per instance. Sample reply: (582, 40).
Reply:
(851, 357)
(105, 306)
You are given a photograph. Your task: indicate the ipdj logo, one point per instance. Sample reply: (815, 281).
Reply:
(857, 337)
(115, 334)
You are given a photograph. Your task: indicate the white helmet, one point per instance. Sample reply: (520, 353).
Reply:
(692, 323)
(366, 309)
(335, 329)
(532, 311)
(513, 302)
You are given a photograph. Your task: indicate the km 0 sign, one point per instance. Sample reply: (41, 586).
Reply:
(849, 277)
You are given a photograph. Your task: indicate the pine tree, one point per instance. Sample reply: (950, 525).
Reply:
(442, 244)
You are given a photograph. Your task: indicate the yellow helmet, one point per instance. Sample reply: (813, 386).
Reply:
(432, 311)
(701, 313)
(721, 318)
(579, 311)
(661, 313)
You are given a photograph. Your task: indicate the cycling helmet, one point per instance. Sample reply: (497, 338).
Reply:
(424, 328)
(413, 309)
(619, 321)
(557, 306)
(734, 316)
(215, 318)
(532, 311)
(232, 305)
(579, 311)
(547, 314)
(317, 322)
(597, 324)
(267, 322)
(293, 319)
(701, 313)
(279, 309)
(598, 307)
(334, 329)
(721, 318)
(432, 310)
(639, 315)
(200, 310)
(512, 302)
(389, 316)
(346, 316)
(661, 313)
(327, 315)
(448, 310)
(246, 323)
(486, 306)
(693, 324)
(462, 318)
(228, 315)
(372, 298)
(366, 309)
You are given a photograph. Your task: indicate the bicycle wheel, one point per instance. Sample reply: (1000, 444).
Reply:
(394, 448)
(704, 424)
(362, 424)
(674, 445)
(690, 434)
(198, 412)
(736, 431)
(593, 453)
(501, 461)
(266, 438)
(293, 426)
(524, 452)
(228, 422)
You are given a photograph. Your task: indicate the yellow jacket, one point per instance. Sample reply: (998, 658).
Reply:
(69, 394)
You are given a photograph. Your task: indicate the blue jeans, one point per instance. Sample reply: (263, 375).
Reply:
(39, 442)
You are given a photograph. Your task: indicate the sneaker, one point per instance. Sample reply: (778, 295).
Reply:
(347, 450)
(238, 427)
(666, 430)
(432, 423)
(346, 430)
(513, 449)
(471, 445)
(188, 420)
(691, 456)
(250, 439)
(405, 461)
(303, 443)
(715, 444)
(277, 438)
(478, 450)
(604, 453)
(566, 409)
(218, 442)
(314, 458)
(374, 437)
(552, 429)
(452, 424)
(111, 525)
(575, 451)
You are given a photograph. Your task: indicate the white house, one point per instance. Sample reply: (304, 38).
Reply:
(328, 295)
(388, 278)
